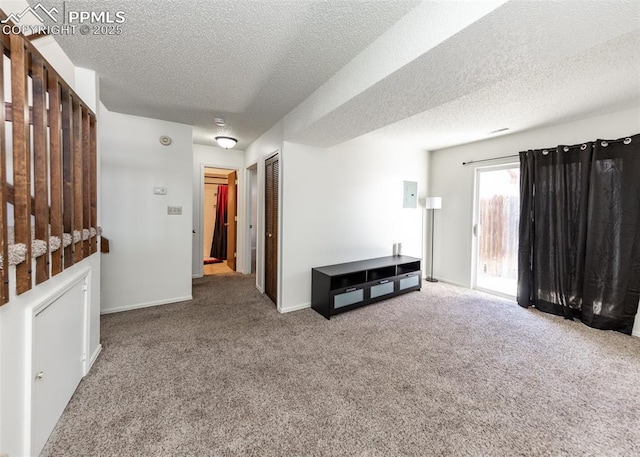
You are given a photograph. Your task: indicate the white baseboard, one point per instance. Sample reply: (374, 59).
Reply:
(93, 358)
(453, 283)
(146, 305)
(295, 308)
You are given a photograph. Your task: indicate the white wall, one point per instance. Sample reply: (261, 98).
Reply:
(455, 182)
(232, 159)
(15, 316)
(344, 204)
(150, 251)
(269, 143)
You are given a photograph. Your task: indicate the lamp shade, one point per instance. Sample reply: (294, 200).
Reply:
(226, 141)
(433, 203)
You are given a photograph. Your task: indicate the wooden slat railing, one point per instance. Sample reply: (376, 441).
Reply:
(40, 167)
(4, 241)
(55, 170)
(21, 157)
(52, 152)
(77, 179)
(93, 176)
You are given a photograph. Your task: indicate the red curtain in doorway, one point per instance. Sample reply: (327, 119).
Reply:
(219, 242)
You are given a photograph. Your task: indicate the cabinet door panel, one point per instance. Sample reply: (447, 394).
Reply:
(348, 298)
(411, 281)
(382, 289)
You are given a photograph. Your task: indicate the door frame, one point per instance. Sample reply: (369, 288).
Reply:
(475, 224)
(260, 256)
(248, 171)
(200, 234)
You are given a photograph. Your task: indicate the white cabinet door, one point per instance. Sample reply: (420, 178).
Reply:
(58, 346)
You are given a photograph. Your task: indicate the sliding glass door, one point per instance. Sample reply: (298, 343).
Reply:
(497, 213)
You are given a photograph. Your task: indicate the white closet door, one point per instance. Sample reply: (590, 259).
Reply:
(58, 342)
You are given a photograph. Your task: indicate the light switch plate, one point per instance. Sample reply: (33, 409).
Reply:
(174, 210)
(159, 190)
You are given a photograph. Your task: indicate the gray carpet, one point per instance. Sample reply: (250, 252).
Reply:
(444, 371)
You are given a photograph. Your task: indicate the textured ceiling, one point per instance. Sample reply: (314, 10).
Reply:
(248, 62)
(431, 74)
(522, 65)
(602, 79)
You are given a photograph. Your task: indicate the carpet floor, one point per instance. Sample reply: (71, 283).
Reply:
(445, 371)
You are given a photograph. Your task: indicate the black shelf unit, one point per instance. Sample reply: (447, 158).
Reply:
(345, 286)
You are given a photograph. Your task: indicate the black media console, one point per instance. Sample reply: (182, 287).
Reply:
(338, 288)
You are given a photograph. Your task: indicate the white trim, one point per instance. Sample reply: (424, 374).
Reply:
(197, 276)
(479, 289)
(496, 293)
(636, 334)
(146, 305)
(260, 289)
(58, 291)
(261, 248)
(447, 281)
(507, 165)
(280, 227)
(249, 169)
(295, 308)
(200, 233)
(93, 358)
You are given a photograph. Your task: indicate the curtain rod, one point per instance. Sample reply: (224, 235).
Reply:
(485, 160)
(603, 143)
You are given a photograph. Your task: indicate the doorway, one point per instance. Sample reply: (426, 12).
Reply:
(252, 217)
(272, 182)
(219, 240)
(497, 210)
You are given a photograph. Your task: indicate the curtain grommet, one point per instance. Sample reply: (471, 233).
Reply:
(583, 147)
(627, 141)
(566, 149)
(545, 152)
(604, 144)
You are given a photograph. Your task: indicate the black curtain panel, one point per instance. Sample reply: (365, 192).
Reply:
(579, 248)
(219, 242)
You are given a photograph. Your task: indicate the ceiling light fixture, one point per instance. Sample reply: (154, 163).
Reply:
(226, 141)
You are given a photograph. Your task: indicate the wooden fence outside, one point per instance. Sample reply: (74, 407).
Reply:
(498, 243)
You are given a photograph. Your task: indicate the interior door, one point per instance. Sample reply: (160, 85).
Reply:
(232, 219)
(272, 171)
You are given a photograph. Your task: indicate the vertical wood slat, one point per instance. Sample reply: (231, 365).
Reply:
(40, 167)
(4, 241)
(59, 204)
(67, 172)
(55, 166)
(77, 176)
(94, 180)
(86, 181)
(21, 159)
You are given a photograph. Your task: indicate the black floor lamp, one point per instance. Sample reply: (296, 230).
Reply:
(432, 203)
